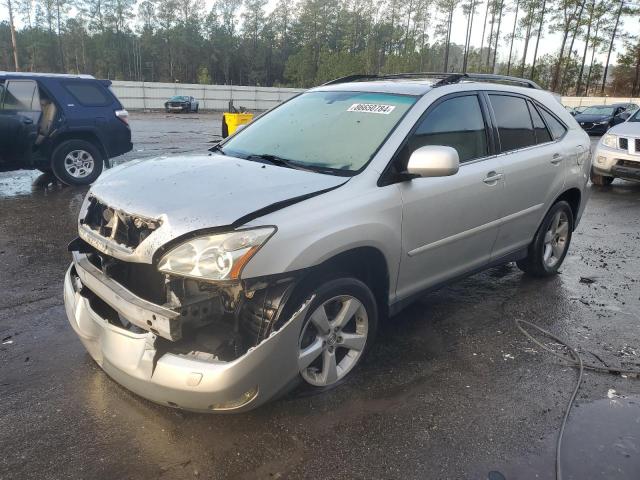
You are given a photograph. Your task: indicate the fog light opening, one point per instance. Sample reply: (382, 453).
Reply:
(601, 160)
(241, 401)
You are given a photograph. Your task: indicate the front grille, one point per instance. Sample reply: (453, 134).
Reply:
(586, 125)
(120, 227)
(623, 143)
(142, 279)
(628, 164)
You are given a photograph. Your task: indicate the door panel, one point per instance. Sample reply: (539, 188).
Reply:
(449, 224)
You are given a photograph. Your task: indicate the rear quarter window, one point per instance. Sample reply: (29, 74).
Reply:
(557, 128)
(88, 94)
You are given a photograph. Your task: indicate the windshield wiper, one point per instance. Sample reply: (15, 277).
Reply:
(217, 148)
(278, 161)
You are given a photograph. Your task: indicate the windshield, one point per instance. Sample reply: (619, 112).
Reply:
(598, 111)
(179, 98)
(326, 130)
(635, 117)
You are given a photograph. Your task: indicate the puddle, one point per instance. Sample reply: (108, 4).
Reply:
(601, 441)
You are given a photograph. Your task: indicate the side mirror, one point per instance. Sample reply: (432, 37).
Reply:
(434, 161)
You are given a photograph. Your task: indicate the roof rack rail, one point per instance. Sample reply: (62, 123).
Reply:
(490, 77)
(351, 78)
(446, 78)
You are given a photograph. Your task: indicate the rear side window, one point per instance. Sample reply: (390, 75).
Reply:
(514, 122)
(88, 94)
(542, 134)
(19, 95)
(557, 128)
(456, 122)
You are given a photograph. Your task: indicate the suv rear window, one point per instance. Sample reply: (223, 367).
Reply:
(88, 94)
(514, 122)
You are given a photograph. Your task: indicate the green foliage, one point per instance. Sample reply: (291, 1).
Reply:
(308, 42)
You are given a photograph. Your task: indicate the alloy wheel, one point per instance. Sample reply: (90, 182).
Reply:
(333, 340)
(79, 163)
(555, 240)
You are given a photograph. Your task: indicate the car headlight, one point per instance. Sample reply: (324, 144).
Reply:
(215, 257)
(602, 122)
(610, 140)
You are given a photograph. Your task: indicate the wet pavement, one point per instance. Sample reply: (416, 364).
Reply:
(450, 390)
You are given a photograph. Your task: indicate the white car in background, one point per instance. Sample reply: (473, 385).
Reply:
(618, 153)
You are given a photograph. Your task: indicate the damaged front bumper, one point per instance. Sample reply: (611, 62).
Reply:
(134, 360)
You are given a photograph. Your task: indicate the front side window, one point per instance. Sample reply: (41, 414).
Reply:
(335, 131)
(457, 123)
(88, 94)
(19, 95)
(514, 122)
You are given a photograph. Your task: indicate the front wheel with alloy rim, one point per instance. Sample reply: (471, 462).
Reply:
(77, 162)
(549, 247)
(339, 329)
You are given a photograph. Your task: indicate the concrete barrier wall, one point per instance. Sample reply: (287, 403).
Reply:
(586, 101)
(147, 95)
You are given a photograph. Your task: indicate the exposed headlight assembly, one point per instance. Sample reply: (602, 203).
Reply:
(215, 257)
(610, 140)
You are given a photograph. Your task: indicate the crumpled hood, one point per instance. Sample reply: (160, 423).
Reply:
(206, 190)
(190, 193)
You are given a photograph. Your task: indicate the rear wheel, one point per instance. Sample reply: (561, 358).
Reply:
(600, 180)
(77, 162)
(549, 247)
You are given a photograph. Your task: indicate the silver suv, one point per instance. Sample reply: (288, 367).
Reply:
(217, 282)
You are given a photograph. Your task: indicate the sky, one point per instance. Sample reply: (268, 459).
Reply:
(548, 44)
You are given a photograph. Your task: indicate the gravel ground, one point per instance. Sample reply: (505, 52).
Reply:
(451, 389)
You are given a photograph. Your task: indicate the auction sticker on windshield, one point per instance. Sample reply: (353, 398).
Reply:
(371, 108)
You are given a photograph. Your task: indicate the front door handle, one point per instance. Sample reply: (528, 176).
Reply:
(27, 120)
(556, 159)
(492, 178)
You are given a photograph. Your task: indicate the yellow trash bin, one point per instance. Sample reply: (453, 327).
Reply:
(231, 122)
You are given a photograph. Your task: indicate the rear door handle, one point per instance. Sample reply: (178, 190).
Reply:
(492, 178)
(556, 159)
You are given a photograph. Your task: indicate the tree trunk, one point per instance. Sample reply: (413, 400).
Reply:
(535, 52)
(593, 54)
(60, 38)
(586, 47)
(573, 39)
(526, 40)
(484, 30)
(467, 40)
(493, 22)
(13, 37)
(446, 52)
(495, 49)
(613, 37)
(513, 36)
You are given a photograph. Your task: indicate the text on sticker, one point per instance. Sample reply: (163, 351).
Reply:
(371, 108)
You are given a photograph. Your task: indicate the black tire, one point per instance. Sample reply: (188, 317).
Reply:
(65, 148)
(197, 108)
(534, 263)
(600, 180)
